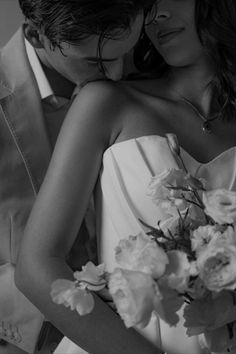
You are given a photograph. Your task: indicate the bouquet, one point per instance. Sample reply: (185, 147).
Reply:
(188, 259)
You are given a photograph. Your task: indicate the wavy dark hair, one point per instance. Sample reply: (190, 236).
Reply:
(216, 27)
(72, 21)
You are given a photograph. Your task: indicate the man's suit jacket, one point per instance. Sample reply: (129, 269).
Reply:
(25, 152)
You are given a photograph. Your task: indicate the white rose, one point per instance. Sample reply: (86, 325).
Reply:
(91, 277)
(178, 270)
(170, 188)
(141, 253)
(228, 235)
(160, 185)
(135, 295)
(217, 266)
(76, 294)
(169, 305)
(202, 236)
(65, 292)
(220, 205)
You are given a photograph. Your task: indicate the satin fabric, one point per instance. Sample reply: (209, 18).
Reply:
(122, 199)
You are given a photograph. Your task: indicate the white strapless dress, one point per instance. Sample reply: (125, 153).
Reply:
(121, 199)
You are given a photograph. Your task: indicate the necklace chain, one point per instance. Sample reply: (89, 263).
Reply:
(206, 125)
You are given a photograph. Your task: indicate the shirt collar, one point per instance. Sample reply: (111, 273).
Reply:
(45, 89)
(41, 79)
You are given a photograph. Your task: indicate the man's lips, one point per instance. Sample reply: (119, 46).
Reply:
(165, 36)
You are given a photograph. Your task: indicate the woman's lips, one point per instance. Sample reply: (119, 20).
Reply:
(166, 36)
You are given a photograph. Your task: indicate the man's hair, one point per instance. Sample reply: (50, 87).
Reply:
(72, 21)
(216, 27)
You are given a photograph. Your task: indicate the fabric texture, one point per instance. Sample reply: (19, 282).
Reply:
(26, 143)
(122, 199)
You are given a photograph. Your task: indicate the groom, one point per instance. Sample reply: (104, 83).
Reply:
(37, 84)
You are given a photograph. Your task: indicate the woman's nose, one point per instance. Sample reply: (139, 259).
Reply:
(160, 12)
(162, 15)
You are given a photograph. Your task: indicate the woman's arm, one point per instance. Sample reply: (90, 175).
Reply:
(89, 128)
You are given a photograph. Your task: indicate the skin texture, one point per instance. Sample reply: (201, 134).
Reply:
(173, 15)
(124, 111)
(113, 338)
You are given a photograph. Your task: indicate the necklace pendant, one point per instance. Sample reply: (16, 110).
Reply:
(206, 127)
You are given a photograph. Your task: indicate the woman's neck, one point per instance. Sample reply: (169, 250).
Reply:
(193, 83)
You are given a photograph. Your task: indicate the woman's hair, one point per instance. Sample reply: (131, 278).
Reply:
(72, 21)
(216, 27)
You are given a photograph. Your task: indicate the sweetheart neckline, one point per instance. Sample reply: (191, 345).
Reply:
(142, 137)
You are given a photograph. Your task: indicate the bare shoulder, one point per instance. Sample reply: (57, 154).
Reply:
(105, 92)
(98, 111)
(105, 102)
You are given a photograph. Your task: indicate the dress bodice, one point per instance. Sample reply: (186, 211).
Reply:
(122, 200)
(122, 189)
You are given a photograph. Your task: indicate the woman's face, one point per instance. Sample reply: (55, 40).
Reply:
(173, 32)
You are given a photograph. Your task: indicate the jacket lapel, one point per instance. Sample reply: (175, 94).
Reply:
(21, 103)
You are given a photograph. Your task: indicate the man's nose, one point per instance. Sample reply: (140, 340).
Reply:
(114, 71)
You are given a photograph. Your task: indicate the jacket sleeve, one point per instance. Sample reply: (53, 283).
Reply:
(20, 321)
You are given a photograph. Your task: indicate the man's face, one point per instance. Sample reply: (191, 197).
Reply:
(80, 64)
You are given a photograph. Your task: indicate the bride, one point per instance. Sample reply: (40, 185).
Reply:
(113, 141)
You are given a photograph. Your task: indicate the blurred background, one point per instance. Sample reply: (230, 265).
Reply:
(10, 19)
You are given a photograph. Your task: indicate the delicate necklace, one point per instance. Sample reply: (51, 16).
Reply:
(206, 125)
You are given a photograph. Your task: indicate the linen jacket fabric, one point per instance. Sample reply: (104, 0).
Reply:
(25, 152)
